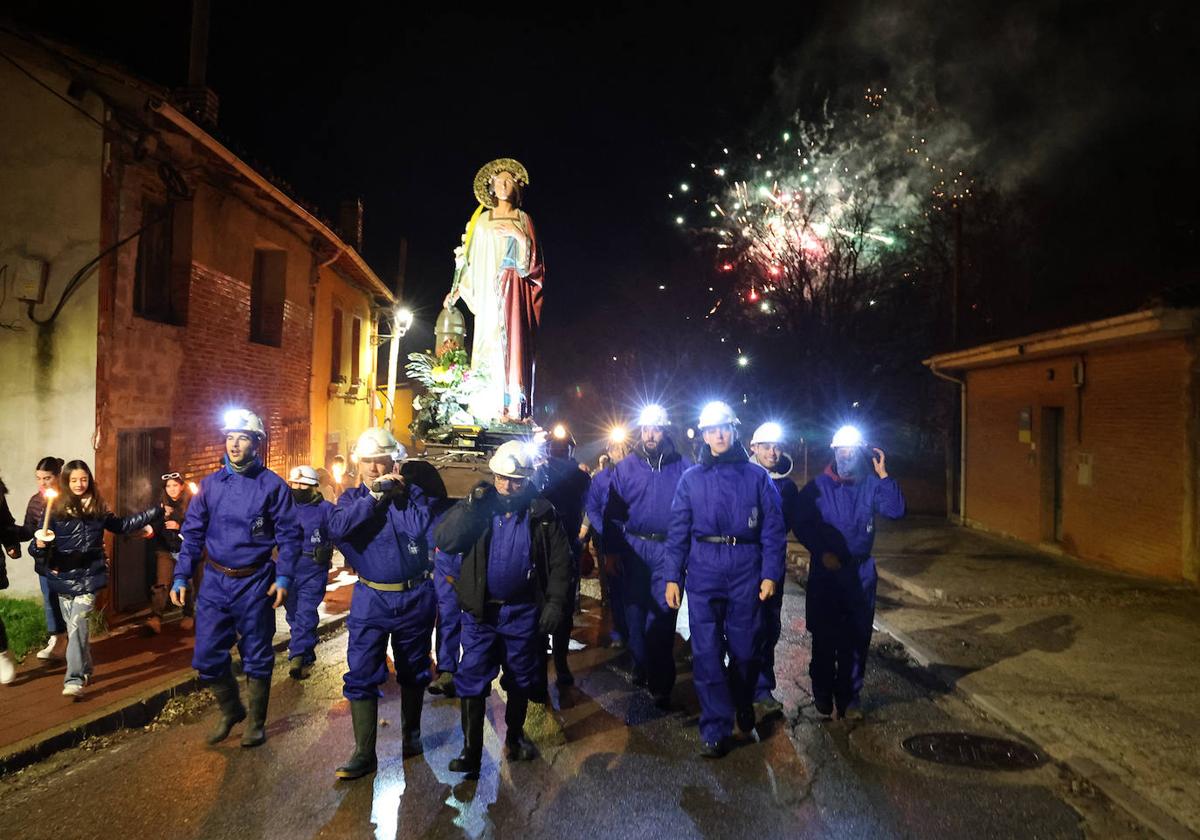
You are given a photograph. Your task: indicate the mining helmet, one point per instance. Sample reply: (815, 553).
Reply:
(653, 415)
(512, 461)
(847, 436)
(767, 433)
(377, 442)
(303, 475)
(717, 414)
(241, 420)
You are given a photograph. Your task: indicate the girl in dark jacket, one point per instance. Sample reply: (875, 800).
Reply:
(74, 563)
(47, 473)
(167, 541)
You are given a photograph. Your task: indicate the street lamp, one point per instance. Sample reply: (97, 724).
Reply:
(402, 319)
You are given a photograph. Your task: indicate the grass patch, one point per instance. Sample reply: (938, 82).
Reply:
(25, 621)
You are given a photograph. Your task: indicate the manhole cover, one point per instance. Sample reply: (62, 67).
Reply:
(978, 751)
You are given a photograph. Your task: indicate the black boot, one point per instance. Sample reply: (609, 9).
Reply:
(471, 757)
(411, 698)
(364, 715)
(258, 694)
(232, 710)
(517, 746)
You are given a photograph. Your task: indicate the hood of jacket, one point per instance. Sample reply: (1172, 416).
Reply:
(667, 454)
(782, 469)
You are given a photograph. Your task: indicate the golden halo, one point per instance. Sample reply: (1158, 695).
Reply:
(489, 171)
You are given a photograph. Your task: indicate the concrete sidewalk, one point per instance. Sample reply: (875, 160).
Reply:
(1101, 669)
(135, 676)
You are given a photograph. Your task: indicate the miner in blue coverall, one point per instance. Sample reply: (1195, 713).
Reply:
(384, 523)
(312, 570)
(242, 513)
(446, 567)
(609, 540)
(766, 450)
(837, 524)
(727, 541)
(565, 485)
(639, 503)
(514, 589)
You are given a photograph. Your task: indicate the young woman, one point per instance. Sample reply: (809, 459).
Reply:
(46, 473)
(167, 541)
(74, 563)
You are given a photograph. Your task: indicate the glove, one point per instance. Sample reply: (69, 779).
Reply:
(180, 585)
(551, 618)
(482, 495)
(389, 486)
(283, 582)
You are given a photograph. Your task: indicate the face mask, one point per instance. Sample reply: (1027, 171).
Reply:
(304, 496)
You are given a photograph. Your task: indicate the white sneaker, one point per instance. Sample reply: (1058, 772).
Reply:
(72, 690)
(48, 651)
(8, 668)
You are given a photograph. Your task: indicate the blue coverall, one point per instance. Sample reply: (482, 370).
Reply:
(446, 569)
(611, 541)
(311, 577)
(238, 518)
(837, 516)
(725, 498)
(789, 496)
(508, 633)
(639, 504)
(387, 543)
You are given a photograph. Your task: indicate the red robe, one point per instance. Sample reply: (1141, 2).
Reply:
(522, 314)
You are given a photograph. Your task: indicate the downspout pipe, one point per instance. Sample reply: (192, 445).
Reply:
(962, 438)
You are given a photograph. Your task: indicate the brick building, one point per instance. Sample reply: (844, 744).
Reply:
(160, 279)
(1087, 440)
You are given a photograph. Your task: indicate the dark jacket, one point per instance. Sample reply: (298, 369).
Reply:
(167, 539)
(565, 486)
(10, 535)
(466, 529)
(75, 563)
(35, 509)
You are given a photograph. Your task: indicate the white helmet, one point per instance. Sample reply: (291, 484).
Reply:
(847, 436)
(767, 433)
(717, 414)
(377, 442)
(653, 415)
(512, 460)
(304, 475)
(241, 420)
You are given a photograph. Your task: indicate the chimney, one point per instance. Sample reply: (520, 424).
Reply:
(350, 223)
(196, 99)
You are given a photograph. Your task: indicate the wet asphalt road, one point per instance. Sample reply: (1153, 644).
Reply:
(626, 770)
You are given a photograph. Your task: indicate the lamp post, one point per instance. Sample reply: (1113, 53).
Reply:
(401, 320)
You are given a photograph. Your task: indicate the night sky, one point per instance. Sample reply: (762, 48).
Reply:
(1085, 112)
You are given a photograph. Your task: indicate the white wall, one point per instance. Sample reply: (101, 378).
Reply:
(50, 172)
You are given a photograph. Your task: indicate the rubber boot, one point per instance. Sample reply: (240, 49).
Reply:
(258, 695)
(471, 757)
(411, 698)
(517, 746)
(232, 710)
(364, 715)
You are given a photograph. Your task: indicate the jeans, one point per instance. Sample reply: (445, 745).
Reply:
(55, 625)
(75, 611)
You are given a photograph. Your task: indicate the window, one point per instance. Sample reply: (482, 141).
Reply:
(335, 369)
(267, 288)
(162, 274)
(355, 348)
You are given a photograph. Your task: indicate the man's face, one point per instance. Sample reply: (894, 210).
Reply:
(652, 438)
(766, 454)
(507, 486)
(719, 438)
(847, 459)
(239, 446)
(370, 469)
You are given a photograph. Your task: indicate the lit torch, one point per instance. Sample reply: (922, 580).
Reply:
(45, 534)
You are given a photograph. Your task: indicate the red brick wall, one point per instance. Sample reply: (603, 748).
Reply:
(1134, 427)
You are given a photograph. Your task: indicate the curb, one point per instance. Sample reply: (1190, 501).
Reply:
(1086, 767)
(131, 713)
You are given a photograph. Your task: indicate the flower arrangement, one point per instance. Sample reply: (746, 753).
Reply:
(449, 383)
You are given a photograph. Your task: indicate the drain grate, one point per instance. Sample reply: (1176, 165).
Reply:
(977, 751)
